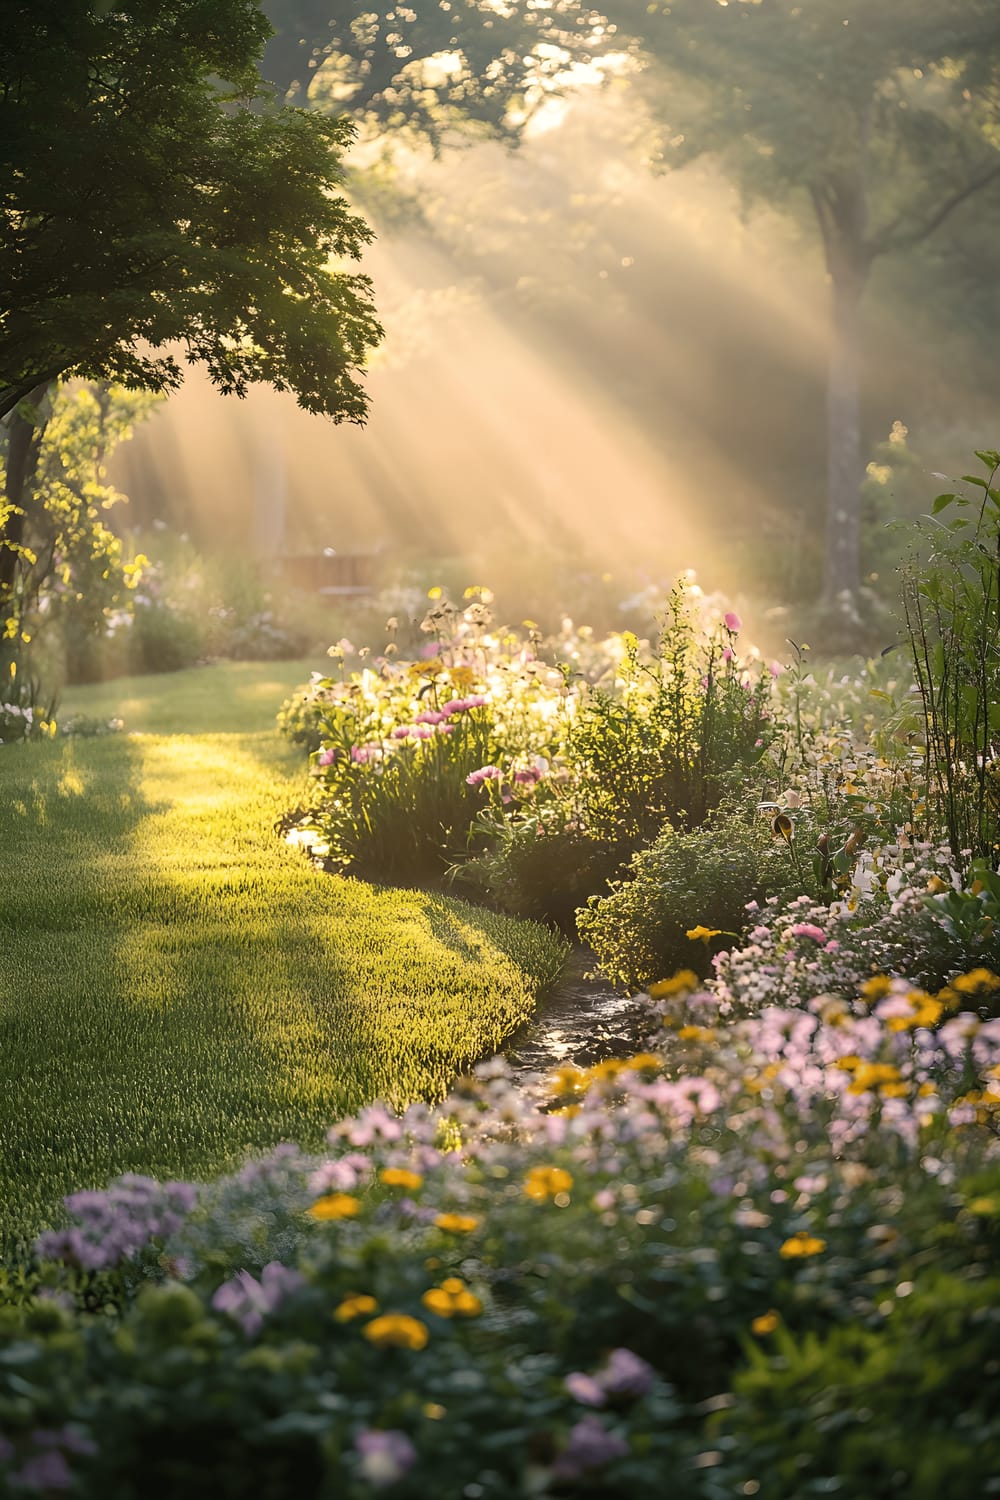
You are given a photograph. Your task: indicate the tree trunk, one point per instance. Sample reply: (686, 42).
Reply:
(23, 436)
(842, 562)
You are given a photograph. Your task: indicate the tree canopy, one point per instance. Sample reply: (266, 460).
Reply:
(877, 121)
(157, 206)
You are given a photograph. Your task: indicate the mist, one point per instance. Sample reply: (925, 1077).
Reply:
(579, 355)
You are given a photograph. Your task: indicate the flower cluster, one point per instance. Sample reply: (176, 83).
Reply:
(533, 1252)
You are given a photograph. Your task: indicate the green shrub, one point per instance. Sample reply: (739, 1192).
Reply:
(162, 639)
(546, 774)
(908, 1408)
(534, 870)
(703, 877)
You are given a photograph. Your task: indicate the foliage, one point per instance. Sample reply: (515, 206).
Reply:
(198, 214)
(386, 64)
(516, 1309)
(485, 748)
(178, 984)
(706, 875)
(870, 1409)
(69, 572)
(952, 609)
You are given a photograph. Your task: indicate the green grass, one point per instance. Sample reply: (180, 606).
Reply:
(177, 985)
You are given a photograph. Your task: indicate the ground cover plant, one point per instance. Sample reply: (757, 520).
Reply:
(757, 1258)
(177, 984)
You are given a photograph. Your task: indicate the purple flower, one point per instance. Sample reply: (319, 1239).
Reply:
(249, 1301)
(384, 1457)
(118, 1223)
(625, 1374)
(589, 1446)
(45, 1471)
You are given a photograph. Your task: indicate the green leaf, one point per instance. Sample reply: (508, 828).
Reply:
(941, 503)
(989, 456)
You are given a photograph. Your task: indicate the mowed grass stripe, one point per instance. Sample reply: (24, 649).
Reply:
(177, 986)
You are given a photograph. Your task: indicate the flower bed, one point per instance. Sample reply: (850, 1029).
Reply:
(759, 1259)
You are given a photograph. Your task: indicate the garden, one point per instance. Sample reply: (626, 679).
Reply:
(528, 1038)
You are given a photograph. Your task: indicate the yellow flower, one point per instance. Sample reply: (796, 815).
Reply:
(457, 1223)
(354, 1307)
(335, 1206)
(543, 1183)
(401, 1177)
(683, 981)
(568, 1080)
(450, 1298)
(396, 1331)
(642, 1060)
(766, 1323)
(976, 982)
(696, 1034)
(802, 1245)
(869, 1076)
(984, 1206)
(876, 989)
(433, 1411)
(703, 934)
(437, 1301)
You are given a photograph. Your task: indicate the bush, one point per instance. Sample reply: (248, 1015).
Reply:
(497, 1296)
(704, 877)
(483, 751)
(538, 869)
(162, 639)
(868, 1411)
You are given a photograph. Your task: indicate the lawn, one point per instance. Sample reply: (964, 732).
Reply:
(178, 986)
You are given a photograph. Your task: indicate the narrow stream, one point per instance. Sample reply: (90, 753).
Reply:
(581, 1022)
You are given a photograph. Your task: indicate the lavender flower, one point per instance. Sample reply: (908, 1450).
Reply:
(590, 1445)
(384, 1457)
(249, 1301)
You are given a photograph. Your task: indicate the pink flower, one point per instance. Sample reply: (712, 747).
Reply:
(401, 733)
(329, 756)
(429, 717)
(809, 930)
(775, 669)
(733, 622)
(728, 654)
(585, 1389)
(485, 773)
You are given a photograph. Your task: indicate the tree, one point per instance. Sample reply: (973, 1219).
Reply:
(881, 119)
(885, 119)
(70, 568)
(430, 66)
(156, 205)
